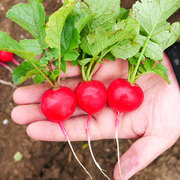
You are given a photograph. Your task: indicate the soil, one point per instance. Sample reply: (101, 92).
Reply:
(54, 161)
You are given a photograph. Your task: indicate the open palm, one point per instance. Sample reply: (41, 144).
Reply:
(156, 123)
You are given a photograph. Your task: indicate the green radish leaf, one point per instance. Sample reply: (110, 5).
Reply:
(161, 33)
(43, 62)
(138, 55)
(30, 17)
(53, 76)
(11, 45)
(74, 63)
(49, 56)
(63, 66)
(161, 70)
(82, 16)
(70, 40)
(54, 52)
(174, 34)
(56, 22)
(83, 62)
(127, 49)
(149, 64)
(82, 21)
(151, 13)
(56, 71)
(123, 13)
(153, 50)
(39, 79)
(133, 60)
(31, 45)
(95, 43)
(152, 16)
(110, 57)
(105, 13)
(23, 72)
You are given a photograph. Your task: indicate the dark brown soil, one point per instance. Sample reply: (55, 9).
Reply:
(54, 161)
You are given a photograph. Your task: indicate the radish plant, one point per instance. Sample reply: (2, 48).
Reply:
(98, 38)
(144, 55)
(85, 33)
(46, 56)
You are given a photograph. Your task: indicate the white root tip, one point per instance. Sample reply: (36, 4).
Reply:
(118, 154)
(70, 145)
(90, 149)
(117, 142)
(7, 83)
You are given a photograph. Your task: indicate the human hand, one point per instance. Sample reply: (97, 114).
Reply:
(156, 123)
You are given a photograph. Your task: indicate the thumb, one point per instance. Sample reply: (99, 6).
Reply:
(141, 154)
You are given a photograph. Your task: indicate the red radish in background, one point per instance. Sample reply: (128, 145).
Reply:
(58, 106)
(123, 97)
(92, 98)
(7, 57)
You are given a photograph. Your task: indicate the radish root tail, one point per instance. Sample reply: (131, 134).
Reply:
(5, 66)
(90, 148)
(117, 142)
(15, 62)
(70, 145)
(7, 83)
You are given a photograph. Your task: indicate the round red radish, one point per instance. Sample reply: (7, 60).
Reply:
(91, 96)
(58, 105)
(6, 56)
(123, 96)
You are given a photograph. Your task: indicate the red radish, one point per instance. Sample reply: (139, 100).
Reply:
(7, 57)
(58, 106)
(123, 97)
(92, 98)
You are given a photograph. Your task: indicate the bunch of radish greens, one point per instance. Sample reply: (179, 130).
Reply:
(85, 33)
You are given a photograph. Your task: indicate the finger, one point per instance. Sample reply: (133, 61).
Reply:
(49, 131)
(140, 155)
(23, 114)
(32, 94)
(71, 71)
(102, 128)
(111, 70)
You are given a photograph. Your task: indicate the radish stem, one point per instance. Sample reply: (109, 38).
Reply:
(15, 62)
(117, 142)
(7, 67)
(90, 148)
(7, 83)
(70, 145)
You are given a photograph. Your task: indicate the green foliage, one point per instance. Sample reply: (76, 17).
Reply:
(70, 40)
(156, 33)
(55, 24)
(89, 31)
(30, 17)
(23, 72)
